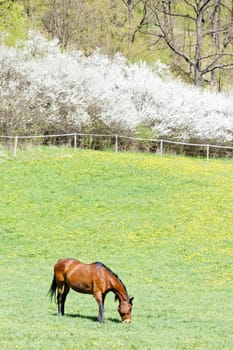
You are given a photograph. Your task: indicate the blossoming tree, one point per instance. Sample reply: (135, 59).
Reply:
(46, 90)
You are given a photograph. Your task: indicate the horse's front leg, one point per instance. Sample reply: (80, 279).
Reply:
(101, 313)
(100, 301)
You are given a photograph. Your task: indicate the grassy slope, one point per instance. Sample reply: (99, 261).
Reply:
(163, 224)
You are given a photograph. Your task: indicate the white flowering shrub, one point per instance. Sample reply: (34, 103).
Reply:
(46, 90)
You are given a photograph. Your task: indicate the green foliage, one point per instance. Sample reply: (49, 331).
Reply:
(163, 224)
(13, 22)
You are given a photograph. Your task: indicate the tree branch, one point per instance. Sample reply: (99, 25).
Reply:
(220, 66)
(142, 22)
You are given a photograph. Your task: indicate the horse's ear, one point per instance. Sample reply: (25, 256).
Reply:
(131, 300)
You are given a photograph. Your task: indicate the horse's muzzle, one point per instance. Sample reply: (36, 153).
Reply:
(126, 321)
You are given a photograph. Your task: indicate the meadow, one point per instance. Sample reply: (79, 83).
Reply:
(163, 224)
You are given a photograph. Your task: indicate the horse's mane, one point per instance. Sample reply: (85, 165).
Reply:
(112, 273)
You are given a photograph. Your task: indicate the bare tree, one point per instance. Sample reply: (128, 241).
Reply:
(62, 19)
(198, 32)
(87, 25)
(131, 5)
(215, 35)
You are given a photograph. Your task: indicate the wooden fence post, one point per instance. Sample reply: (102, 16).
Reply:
(207, 152)
(161, 147)
(116, 143)
(75, 141)
(15, 146)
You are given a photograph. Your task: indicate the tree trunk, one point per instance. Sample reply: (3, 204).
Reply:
(215, 24)
(197, 65)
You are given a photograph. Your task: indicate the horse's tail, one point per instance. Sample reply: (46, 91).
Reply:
(53, 287)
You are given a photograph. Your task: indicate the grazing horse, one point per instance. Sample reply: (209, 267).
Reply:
(96, 279)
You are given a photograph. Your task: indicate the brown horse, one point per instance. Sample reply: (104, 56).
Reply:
(96, 279)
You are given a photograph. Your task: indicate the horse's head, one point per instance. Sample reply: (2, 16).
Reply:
(124, 309)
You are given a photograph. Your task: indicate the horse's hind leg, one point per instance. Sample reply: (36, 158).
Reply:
(59, 298)
(62, 291)
(64, 295)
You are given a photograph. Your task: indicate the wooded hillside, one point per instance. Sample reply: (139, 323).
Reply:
(194, 37)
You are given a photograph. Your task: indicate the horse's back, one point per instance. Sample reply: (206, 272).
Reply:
(84, 278)
(64, 264)
(69, 264)
(63, 267)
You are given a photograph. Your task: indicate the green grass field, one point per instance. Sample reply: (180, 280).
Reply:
(163, 224)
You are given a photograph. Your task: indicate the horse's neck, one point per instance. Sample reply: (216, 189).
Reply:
(120, 290)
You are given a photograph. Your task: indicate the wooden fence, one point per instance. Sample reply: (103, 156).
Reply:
(121, 142)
